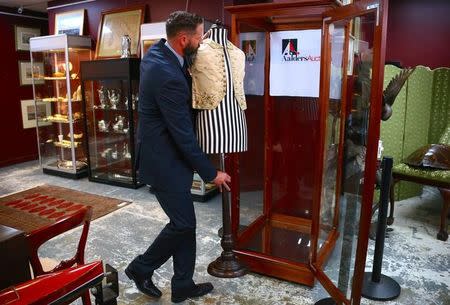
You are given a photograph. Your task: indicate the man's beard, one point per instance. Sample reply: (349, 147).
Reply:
(189, 53)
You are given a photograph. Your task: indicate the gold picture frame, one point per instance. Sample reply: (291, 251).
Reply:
(71, 22)
(148, 43)
(151, 33)
(113, 25)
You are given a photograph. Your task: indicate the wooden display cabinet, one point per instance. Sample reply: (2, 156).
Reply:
(302, 194)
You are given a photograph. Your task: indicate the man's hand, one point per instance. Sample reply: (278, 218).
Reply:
(221, 180)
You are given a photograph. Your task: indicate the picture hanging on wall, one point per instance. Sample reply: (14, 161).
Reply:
(29, 113)
(23, 35)
(26, 73)
(70, 22)
(151, 33)
(113, 26)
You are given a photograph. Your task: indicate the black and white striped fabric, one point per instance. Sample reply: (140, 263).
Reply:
(224, 129)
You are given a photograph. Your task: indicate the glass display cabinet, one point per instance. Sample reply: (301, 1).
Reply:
(110, 91)
(302, 194)
(107, 86)
(55, 72)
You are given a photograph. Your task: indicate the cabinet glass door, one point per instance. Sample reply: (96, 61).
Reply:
(351, 83)
(250, 211)
(108, 125)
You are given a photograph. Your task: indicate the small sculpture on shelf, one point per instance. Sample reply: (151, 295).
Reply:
(134, 99)
(114, 97)
(102, 97)
(126, 46)
(76, 96)
(103, 126)
(115, 153)
(77, 116)
(125, 153)
(119, 125)
(106, 153)
(125, 127)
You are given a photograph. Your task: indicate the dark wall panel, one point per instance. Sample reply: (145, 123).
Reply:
(418, 32)
(156, 11)
(417, 35)
(18, 144)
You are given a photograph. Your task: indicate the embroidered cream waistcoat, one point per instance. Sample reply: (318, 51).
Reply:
(209, 83)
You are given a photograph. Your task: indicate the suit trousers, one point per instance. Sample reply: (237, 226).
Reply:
(177, 239)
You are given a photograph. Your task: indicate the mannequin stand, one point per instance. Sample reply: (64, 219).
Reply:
(326, 301)
(377, 286)
(227, 265)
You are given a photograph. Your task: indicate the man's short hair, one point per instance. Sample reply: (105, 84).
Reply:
(182, 21)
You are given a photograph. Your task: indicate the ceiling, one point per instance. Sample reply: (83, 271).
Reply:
(34, 5)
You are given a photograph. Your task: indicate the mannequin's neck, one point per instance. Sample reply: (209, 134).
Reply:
(219, 35)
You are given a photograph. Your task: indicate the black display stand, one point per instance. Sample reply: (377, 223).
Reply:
(377, 286)
(326, 301)
(118, 77)
(78, 175)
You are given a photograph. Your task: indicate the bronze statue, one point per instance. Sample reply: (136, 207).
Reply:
(392, 90)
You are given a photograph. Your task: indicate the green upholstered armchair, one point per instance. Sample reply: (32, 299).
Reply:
(432, 177)
(421, 113)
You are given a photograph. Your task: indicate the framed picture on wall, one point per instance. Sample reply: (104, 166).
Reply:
(26, 73)
(147, 44)
(29, 113)
(70, 22)
(151, 33)
(23, 35)
(113, 26)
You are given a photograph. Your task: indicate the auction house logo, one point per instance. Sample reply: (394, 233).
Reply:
(290, 52)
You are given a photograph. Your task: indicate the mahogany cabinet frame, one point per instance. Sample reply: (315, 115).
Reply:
(311, 14)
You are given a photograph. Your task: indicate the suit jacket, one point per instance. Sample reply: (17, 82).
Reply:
(167, 148)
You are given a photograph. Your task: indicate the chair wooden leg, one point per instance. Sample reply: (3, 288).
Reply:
(86, 298)
(443, 234)
(390, 219)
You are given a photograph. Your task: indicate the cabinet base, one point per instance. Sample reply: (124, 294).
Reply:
(105, 178)
(129, 185)
(80, 174)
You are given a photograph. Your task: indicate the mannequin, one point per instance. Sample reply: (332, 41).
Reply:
(218, 93)
(224, 128)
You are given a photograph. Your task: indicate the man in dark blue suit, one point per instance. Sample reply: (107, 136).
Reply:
(167, 155)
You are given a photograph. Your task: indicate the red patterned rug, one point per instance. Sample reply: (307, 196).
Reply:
(39, 206)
